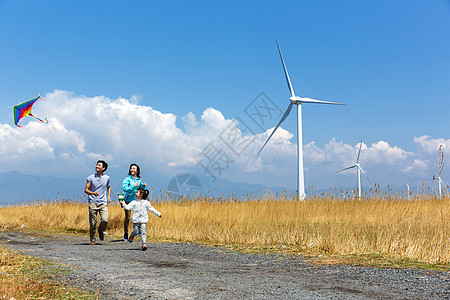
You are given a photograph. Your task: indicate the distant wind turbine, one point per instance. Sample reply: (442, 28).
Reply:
(297, 101)
(407, 187)
(359, 170)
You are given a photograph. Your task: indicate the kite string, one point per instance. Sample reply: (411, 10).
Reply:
(70, 152)
(74, 156)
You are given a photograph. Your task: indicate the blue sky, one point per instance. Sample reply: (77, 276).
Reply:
(183, 70)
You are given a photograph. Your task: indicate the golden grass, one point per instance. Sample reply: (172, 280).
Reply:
(388, 226)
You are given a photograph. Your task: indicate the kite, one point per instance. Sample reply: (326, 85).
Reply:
(24, 109)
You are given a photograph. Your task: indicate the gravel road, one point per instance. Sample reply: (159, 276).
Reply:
(189, 271)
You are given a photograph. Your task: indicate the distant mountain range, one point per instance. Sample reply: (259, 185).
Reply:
(17, 188)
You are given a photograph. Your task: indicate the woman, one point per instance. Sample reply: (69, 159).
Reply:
(130, 185)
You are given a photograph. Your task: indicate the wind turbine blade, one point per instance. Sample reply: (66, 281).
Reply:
(359, 152)
(286, 113)
(346, 168)
(309, 100)
(286, 72)
(364, 173)
(405, 184)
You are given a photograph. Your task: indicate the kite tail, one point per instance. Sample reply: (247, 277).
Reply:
(45, 121)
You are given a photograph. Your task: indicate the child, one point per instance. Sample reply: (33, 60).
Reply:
(140, 215)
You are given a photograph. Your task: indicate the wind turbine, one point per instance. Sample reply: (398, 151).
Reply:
(407, 187)
(298, 101)
(359, 170)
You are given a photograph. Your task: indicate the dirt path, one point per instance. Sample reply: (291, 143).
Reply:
(189, 271)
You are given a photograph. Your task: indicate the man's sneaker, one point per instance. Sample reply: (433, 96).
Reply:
(101, 236)
(125, 237)
(130, 239)
(92, 243)
(144, 247)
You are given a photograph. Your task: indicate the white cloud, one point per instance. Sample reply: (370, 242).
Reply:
(83, 129)
(117, 129)
(17, 142)
(429, 145)
(314, 153)
(333, 152)
(343, 154)
(136, 99)
(279, 144)
(418, 167)
(382, 152)
(254, 166)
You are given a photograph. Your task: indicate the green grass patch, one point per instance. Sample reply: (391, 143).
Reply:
(385, 261)
(26, 277)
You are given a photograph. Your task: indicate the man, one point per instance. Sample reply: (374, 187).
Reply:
(99, 193)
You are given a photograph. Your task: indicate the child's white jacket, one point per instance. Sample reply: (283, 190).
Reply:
(140, 208)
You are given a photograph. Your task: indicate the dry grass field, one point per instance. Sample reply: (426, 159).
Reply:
(382, 225)
(382, 228)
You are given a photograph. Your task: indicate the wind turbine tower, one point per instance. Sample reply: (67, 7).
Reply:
(359, 170)
(440, 164)
(298, 101)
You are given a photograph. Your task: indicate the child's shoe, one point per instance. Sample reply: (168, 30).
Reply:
(125, 237)
(130, 239)
(144, 247)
